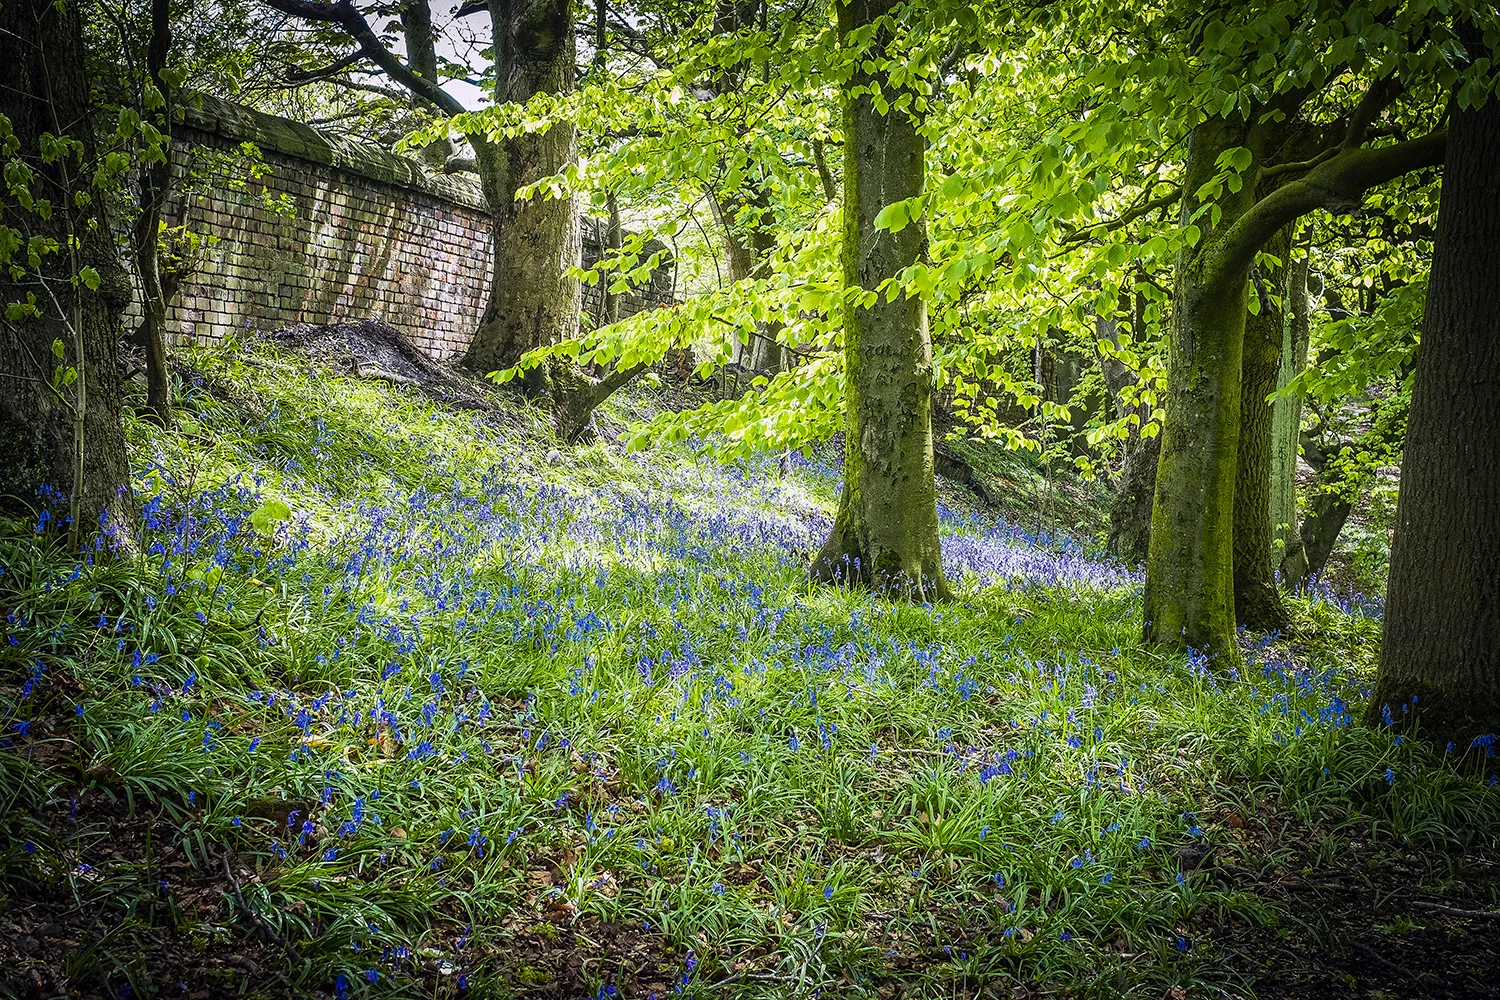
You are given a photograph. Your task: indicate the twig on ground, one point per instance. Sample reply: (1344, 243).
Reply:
(271, 933)
(1454, 911)
(1382, 961)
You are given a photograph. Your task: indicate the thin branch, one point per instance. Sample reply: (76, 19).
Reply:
(344, 14)
(1454, 911)
(323, 72)
(1381, 95)
(1338, 185)
(1084, 233)
(1276, 170)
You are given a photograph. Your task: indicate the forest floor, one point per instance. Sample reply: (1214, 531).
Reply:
(400, 698)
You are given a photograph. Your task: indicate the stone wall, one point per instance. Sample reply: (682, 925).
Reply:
(300, 226)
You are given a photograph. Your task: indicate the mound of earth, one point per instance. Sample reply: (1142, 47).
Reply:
(372, 349)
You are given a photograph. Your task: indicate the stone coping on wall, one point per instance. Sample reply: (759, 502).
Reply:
(215, 116)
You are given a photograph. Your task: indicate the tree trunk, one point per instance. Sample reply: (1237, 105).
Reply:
(748, 242)
(156, 180)
(67, 442)
(1286, 421)
(1189, 567)
(1130, 512)
(1440, 653)
(421, 56)
(885, 532)
(1257, 601)
(1327, 512)
(615, 238)
(533, 301)
(1189, 588)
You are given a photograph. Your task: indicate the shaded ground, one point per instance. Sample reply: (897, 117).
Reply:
(1378, 923)
(1305, 895)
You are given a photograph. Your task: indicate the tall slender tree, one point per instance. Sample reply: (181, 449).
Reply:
(885, 532)
(1286, 419)
(1257, 600)
(61, 285)
(155, 183)
(1440, 654)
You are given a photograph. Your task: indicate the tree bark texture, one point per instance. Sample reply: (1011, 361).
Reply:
(74, 444)
(885, 532)
(1130, 512)
(156, 181)
(533, 301)
(1189, 592)
(1440, 654)
(1286, 421)
(1257, 601)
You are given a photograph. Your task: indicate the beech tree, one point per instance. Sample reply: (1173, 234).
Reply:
(62, 288)
(1189, 568)
(885, 530)
(1440, 651)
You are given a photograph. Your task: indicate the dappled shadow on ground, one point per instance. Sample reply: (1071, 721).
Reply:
(1379, 922)
(388, 704)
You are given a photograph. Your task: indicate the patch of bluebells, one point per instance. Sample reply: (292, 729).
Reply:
(397, 576)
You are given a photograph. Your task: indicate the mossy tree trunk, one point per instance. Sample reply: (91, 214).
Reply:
(1286, 422)
(1257, 600)
(1440, 654)
(1189, 568)
(533, 301)
(885, 532)
(69, 440)
(1189, 578)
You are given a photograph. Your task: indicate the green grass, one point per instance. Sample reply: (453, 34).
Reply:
(595, 704)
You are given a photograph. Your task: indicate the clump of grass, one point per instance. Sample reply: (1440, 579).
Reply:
(435, 695)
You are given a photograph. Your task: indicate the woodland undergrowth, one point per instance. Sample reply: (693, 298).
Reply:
(418, 705)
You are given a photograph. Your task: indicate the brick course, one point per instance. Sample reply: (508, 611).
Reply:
(369, 234)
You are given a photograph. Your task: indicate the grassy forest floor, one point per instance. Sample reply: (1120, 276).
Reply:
(401, 699)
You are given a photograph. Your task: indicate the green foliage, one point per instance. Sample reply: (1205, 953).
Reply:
(640, 711)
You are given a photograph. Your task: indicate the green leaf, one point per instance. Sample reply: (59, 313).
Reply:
(894, 216)
(269, 514)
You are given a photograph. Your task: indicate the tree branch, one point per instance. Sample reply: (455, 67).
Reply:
(1083, 233)
(1381, 95)
(344, 14)
(1338, 185)
(323, 72)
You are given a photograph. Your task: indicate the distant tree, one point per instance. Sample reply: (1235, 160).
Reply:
(61, 286)
(534, 300)
(1440, 654)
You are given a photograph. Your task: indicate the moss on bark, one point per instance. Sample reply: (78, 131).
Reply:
(885, 532)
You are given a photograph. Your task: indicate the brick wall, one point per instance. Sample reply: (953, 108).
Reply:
(309, 227)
